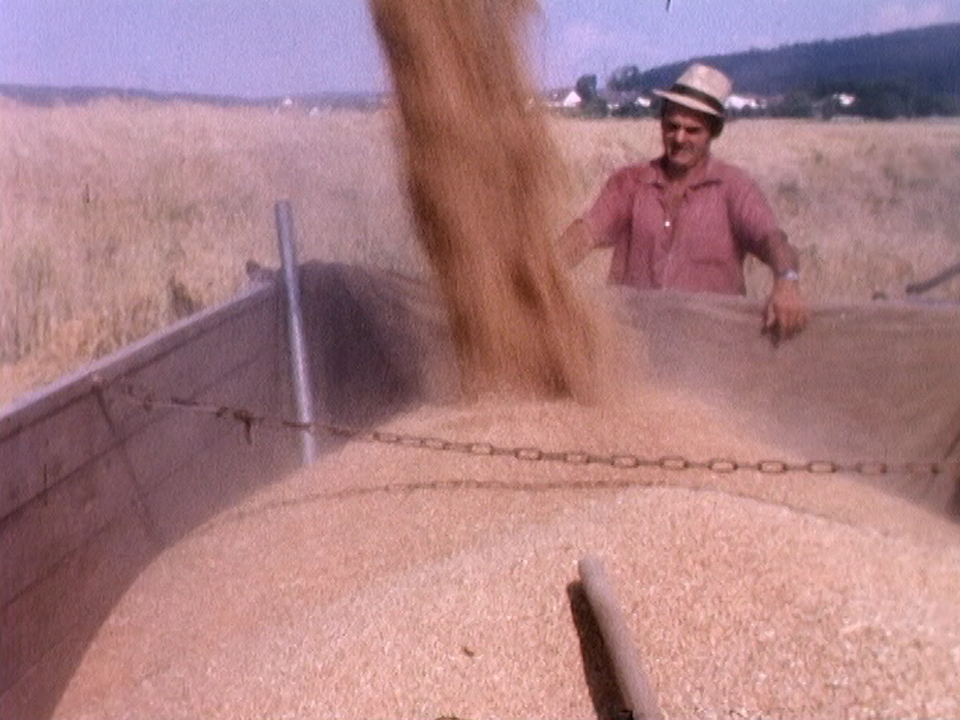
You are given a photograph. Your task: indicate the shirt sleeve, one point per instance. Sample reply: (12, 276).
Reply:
(751, 216)
(609, 217)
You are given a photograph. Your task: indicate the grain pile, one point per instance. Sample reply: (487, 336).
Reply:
(482, 176)
(386, 583)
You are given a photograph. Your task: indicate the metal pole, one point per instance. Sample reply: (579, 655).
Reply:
(633, 683)
(303, 394)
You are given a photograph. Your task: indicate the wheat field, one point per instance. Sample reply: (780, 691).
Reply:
(119, 217)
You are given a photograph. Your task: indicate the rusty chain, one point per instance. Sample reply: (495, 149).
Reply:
(150, 400)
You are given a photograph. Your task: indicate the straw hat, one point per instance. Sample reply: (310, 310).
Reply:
(700, 88)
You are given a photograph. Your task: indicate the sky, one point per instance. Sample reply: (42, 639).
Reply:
(268, 48)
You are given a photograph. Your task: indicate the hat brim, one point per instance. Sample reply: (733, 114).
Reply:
(688, 102)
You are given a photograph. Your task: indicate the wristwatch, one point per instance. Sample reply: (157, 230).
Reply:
(789, 275)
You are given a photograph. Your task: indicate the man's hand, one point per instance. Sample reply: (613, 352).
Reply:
(786, 312)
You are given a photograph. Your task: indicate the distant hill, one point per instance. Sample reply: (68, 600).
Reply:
(49, 96)
(43, 95)
(928, 59)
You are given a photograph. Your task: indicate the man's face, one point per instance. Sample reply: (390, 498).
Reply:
(686, 137)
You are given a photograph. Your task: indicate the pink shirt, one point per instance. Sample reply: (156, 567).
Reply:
(722, 216)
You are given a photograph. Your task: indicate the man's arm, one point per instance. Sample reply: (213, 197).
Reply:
(606, 222)
(778, 254)
(758, 230)
(575, 243)
(786, 311)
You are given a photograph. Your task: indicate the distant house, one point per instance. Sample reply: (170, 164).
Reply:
(626, 103)
(744, 103)
(838, 106)
(619, 103)
(844, 100)
(621, 99)
(561, 99)
(571, 100)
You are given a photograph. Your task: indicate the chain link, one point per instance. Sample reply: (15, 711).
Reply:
(671, 463)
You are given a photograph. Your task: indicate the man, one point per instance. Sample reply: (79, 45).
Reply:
(687, 220)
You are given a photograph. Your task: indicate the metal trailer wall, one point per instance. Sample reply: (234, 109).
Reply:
(94, 486)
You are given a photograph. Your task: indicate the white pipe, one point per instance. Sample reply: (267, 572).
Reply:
(632, 681)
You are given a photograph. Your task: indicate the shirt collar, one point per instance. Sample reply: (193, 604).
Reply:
(706, 174)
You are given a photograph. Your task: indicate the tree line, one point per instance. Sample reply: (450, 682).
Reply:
(886, 99)
(907, 73)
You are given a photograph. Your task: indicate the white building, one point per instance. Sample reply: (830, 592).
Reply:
(739, 103)
(572, 100)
